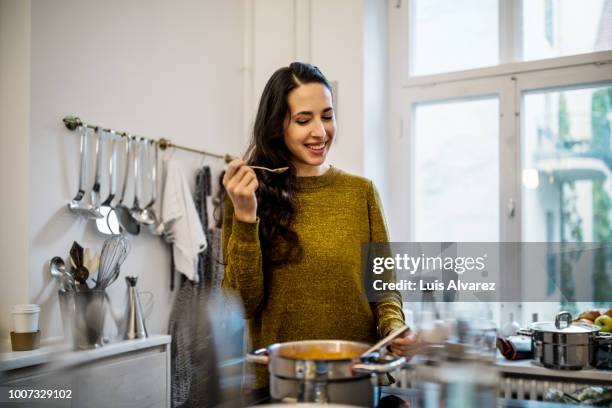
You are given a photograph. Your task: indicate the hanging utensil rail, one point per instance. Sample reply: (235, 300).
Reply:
(74, 122)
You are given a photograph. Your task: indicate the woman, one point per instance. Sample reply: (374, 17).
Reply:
(292, 241)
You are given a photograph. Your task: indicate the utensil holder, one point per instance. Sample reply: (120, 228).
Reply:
(83, 315)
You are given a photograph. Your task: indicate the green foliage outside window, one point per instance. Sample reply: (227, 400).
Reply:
(601, 104)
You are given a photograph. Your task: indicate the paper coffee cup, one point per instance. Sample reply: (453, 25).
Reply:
(25, 318)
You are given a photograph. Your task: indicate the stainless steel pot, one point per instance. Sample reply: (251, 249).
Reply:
(324, 371)
(564, 345)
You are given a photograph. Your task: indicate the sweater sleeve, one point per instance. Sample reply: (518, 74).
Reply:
(243, 260)
(388, 310)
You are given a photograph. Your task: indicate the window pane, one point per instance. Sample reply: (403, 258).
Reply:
(456, 196)
(567, 188)
(554, 28)
(453, 35)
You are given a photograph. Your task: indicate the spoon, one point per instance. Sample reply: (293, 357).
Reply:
(279, 170)
(123, 212)
(109, 225)
(57, 267)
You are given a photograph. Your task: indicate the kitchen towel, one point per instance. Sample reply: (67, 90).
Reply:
(181, 222)
(202, 192)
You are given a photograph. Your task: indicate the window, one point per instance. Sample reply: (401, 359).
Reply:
(555, 28)
(566, 148)
(492, 151)
(457, 199)
(549, 28)
(453, 35)
(567, 195)
(448, 36)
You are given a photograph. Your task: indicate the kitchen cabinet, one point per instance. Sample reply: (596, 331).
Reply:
(522, 381)
(411, 396)
(133, 373)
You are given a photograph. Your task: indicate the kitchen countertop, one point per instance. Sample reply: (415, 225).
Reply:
(527, 367)
(62, 355)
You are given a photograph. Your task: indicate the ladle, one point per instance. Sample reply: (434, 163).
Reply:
(123, 212)
(109, 225)
(77, 205)
(136, 211)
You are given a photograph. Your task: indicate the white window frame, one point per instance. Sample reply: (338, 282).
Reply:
(509, 38)
(403, 148)
(508, 81)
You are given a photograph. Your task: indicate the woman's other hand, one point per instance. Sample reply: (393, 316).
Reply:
(406, 345)
(240, 182)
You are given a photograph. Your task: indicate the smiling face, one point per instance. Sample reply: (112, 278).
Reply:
(310, 128)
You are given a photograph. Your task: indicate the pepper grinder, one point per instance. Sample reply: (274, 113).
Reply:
(135, 325)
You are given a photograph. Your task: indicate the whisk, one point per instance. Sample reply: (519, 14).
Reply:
(114, 252)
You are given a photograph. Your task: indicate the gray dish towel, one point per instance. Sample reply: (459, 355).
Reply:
(195, 379)
(213, 272)
(210, 266)
(195, 376)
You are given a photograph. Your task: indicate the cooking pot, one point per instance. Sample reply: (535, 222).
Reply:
(564, 345)
(325, 371)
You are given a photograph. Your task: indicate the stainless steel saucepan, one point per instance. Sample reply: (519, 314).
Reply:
(563, 344)
(327, 371)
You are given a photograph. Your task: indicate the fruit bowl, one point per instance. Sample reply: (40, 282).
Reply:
(598, 317)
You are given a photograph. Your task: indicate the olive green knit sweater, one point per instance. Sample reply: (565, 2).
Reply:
(321, 296)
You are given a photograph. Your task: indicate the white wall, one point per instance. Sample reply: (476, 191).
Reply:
(337, 48)
(14, 157)
(346, 40)
(376, 96)
(155, 68)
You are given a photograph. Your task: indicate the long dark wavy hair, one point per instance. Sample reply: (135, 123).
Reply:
(276, 192)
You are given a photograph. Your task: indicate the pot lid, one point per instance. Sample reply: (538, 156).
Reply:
(306, 405)
(563, 324)
(573, 328)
